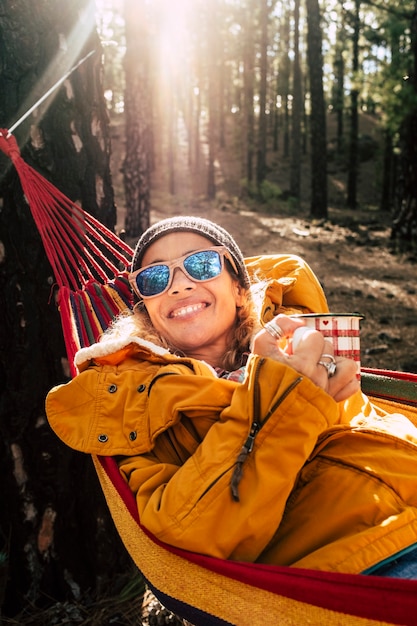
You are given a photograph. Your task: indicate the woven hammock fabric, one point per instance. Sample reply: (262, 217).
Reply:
(90, 266)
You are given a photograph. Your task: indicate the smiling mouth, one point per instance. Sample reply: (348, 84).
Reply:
(186, 310)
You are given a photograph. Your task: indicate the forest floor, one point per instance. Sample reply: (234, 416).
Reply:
(350, 252)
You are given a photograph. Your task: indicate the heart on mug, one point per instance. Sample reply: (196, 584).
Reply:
(343, 329)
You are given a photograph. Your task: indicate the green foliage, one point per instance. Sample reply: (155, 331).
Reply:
(134, 587)
(393, 90)
(400, 100)
(267, 192)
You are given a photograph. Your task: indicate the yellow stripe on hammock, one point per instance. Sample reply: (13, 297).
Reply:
(223, 597)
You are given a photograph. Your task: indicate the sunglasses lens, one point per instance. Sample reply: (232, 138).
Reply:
(153, 280)
(203, 265)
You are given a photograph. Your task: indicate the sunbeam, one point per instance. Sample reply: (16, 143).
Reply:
(39, 99)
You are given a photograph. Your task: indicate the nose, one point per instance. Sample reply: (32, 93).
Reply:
(180, 282)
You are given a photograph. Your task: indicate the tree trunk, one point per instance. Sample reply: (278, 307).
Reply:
(222, 96)
(339, 96)
(277, 117)
(138, 118)
(197, 119)
(318, 113)
(404, 226)
(295, 176)
(212, 131)
(387, 200)
(172, 142)
(285, 88)
(56, 537)
(354, 116)
(249, 78)
(261, 152)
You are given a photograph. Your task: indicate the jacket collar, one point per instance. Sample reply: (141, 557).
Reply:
(109, 347)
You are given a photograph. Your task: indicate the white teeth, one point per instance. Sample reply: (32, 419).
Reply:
(188, 309)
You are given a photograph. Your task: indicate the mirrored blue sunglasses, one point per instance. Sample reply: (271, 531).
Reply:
(203, 265)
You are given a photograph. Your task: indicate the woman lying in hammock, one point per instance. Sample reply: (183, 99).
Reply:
(237, 447)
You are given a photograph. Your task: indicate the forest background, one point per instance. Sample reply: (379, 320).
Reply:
(293, 124)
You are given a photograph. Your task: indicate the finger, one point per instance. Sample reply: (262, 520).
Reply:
(303, 339)
(348, 390)
(308, 344)
(328, 346)
(266, 344)
(287, 324)
(281, 328)
(345, 381)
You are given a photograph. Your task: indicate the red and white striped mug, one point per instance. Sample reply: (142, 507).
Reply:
(342, 328)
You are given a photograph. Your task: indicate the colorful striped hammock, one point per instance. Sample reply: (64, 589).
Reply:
(90, 265)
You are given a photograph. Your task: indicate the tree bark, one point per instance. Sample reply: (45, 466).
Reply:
(285, 80)
(295, 176)
(387, 196)
(404, 225)
(354, 116)
(339, 96)
(318, 113)
(248, 80)
(212, 127)
(261, 152)
(138, 118)
(57, 539)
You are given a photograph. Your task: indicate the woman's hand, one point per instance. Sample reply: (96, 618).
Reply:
(304, 355)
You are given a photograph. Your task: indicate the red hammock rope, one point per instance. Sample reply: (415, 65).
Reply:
(89, 262)
(74, 240)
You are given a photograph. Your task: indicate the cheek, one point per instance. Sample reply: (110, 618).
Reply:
(232, 302)
(239, 294)
(152, 309)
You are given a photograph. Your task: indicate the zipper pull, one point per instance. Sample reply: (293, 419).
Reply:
(245, 450)
(250, 441)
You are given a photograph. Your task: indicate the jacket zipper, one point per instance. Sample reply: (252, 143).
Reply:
(257, 424)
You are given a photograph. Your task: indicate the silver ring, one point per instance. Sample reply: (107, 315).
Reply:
(274, 330)
(330, 366)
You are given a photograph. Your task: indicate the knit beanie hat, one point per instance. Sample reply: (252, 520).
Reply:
(218, 235)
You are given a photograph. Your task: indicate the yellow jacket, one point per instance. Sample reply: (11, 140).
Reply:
(270, 470)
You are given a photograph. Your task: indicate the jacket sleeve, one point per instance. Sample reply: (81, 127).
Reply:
(189, 504)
